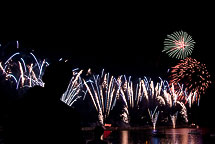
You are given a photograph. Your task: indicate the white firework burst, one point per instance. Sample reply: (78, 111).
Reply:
(178, 45)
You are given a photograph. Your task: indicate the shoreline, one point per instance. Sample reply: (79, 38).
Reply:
(138, 128)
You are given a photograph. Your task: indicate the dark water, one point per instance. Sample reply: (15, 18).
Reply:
(146, 136)
(162, 136)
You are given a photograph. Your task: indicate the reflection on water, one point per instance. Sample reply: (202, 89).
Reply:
(161, 136)
(124, 137)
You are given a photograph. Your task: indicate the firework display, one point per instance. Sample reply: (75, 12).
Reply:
(154, 116)
(130, 96)
(164, 96)
(178, 45)
(74, 89)
(103, 93)
(174, 118)
(134, 95)
(23, 70)
(144, 100)
(192, 74)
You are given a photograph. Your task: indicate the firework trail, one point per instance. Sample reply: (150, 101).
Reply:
(161, 101)
(183, 110)
(170, 94)
(188, 98)
(16, 70)
(174, 118)
(142, 93)
(171, 97)
(17, 44)
(153, 93)
(74, 90)
(192, 74)
(154, 116)
(178, 45)
(103, 91)
(175, 100)
(132, 95)
(162, 96)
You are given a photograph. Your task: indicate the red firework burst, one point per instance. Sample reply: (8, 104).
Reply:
(192, 74)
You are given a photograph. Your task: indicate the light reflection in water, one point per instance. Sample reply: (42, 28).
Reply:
(168, 136)
(124, 137)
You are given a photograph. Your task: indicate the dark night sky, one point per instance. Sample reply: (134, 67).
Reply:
(112, 36)
(121, 42)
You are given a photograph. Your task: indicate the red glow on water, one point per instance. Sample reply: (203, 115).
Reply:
(107, 133)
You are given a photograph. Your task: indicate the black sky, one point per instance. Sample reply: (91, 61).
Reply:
(123, 42)
(123, 39)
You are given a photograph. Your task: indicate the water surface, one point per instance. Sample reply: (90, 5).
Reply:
(160, 136)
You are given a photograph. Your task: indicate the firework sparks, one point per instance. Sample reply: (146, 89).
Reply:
(17, 44)
(183, 110)
(161, 101)
(192, 74)
(154, 116)
(75, 87)
(174, 118)
(15, 67)
(160, 95)
(131, 95)
(103, 91)
(179, 45)
(175, 100)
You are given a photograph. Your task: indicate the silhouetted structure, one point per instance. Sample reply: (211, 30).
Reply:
(40, 117)
(98, 132)
(7, 94)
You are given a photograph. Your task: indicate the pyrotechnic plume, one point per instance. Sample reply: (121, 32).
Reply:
(169, 94)
(174, 118)
(103, 91)
(16, 70)
(176, 99)
(188, 98)
(144, 92)
(131, 94)
(178, 45)
(125, 115)
(162, 95)
(192, 74)
(154, 116)
(75, 89)
(153, 93)
(183, 110)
